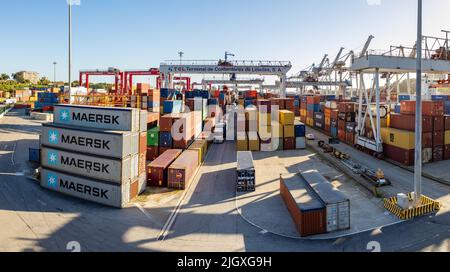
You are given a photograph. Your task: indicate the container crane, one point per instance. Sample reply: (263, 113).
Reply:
(118, 77)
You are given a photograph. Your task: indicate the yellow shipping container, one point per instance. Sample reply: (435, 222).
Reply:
(303, 112)
(447, 137)
(289, 132)
(384, 122)
(277, 130)
(398, 138)
(242, 141)
(328, 121)
(286, 117)
(241, 102)
(264, 119)
(253, 141)
(310, 122)
(201, 146)
(265, 132)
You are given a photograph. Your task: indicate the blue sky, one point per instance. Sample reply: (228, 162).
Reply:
(138, 34)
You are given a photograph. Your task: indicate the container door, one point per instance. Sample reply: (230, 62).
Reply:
(332, 217)
(344, 215)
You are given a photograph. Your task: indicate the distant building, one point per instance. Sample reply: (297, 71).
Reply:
(23, 76)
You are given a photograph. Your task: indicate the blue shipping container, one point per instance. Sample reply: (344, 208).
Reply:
(330, 97)
(300, 130)
(397, 109)
(296, 103)
(313, 107)
(222, 96)
(165, 139)
(173, 106)
(167, 93)
(404, 97)
(334, 132)
(189, 95)
(439, 97)
(248, 103)
(447, 107)
(34, 155)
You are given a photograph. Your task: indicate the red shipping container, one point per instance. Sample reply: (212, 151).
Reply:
(165, 123)
(311, 100)
(439, 123)
(289, 143)
(158, 169)
(347, 107)
(334, 114)
(429, 108)
(342, 125)
(142, 142)
(289, 104)
(303, 119)
(143, 88)
(438, 138)
(350, 138)
(310, 114)
(447, 152)
(403, 156)
(303, 105)
(342, 135)
(408, 122)
(427, 140)
(438, 153)
(162, 150)
(183, 169)
(152, 153)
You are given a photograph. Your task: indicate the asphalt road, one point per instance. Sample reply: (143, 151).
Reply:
(34, 219)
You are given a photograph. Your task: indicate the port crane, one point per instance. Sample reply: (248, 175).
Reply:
(118, 77)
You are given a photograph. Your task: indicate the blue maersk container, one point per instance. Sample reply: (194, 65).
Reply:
(404, 97)
(173, 106)
(439, 97)
(397, 109)
(447, 107)
(300, 130)
(165, 139)
(167, 93)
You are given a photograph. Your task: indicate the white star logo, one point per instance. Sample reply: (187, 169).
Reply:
(52, 158)
(64, 115)
(53, 137)
(51, 181)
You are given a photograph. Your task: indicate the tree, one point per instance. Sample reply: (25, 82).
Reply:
(4, 77)
(44, 81)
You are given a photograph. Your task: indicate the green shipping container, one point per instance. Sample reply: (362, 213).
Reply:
(153, 137)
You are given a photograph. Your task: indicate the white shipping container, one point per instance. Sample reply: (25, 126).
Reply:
(114, 144)
(105, 169)
(87, 189)
(300, 143)
(121, 119)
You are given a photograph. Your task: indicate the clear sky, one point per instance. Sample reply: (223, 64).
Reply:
(139, 34)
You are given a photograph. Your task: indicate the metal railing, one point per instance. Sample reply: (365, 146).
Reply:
(255, 63)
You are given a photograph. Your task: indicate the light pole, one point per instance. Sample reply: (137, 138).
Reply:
(418, 157)
(181, 54)
(54, 72)
(70, 4)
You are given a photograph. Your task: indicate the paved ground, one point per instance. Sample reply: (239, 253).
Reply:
(276, 217)
(34, 219)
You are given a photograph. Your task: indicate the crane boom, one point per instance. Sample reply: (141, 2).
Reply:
(366, 46)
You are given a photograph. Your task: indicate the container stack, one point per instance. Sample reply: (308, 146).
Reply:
(399, 138)
(95, 153)
(312, 106)
(46, 101)
(346, 122)
(246, 178)
(287, 119)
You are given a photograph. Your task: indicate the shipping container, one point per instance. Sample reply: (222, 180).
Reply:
(447, 152)
(182, 170)
(85, 188)
(158, 169)
(289, 131)
(408, 122)
(399, 138)
(115, 144)
(439, 123)
(429, 108)
(286, 117)
(173, 106)
(116, 171)
(447, 122)
(300, 143)
(346, 107)
(337, 204)
(152, 153)
(165, 139)
(201, 146)
(438, 138)
(427, 155)
(447, 137)
(289, 143)
(153, 137)
(300, 129)
(438, 153)
(400, 155)
(246, 177)
(121, 119)
(306, 209)
(242, 141)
